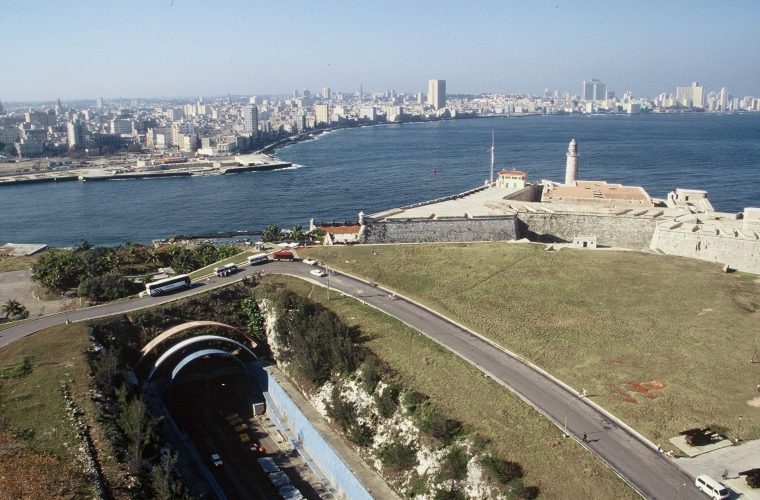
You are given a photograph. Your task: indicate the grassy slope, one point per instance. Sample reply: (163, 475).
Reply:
(604, 321)
(11, 263)
(32, 406)
(560, 467)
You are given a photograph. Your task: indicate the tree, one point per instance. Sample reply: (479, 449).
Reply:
(9, 149)
(13, 309)
(272, 233)
(82, 246)
(138, 427)
(297, 233)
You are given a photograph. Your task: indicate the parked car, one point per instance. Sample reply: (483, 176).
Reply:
(318, 272)
(216, 460)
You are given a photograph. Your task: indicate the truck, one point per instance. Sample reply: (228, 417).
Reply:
(283, 255)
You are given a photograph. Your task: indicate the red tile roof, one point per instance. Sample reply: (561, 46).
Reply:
(512, 172)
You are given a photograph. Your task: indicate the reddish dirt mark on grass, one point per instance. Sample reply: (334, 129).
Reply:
(648, 388)
(622, 392)
(617, 361)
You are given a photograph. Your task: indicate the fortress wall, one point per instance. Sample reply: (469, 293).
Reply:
(528, 193)
(742, 254)
(610, 230)
(500, 228)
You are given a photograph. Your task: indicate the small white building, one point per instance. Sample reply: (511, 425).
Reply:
(513, 179)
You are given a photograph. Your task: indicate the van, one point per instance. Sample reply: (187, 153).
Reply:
(711, 487)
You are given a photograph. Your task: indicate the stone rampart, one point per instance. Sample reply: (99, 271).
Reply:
(610, 230)
(739, 252)
(492, 228)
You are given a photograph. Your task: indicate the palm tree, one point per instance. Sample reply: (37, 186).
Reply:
(297, 233)
(14, 309)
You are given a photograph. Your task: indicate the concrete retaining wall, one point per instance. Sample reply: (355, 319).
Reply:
(498, 228)
(742, 254)
(283, 410)
(610, 230)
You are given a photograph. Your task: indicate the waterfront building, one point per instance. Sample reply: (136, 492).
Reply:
(368, 113)
(723, 100)
(437, 93)
(594, 90)
(75, 134)
(251, 119)
(514, 179)
(692, 96)
(322, 113)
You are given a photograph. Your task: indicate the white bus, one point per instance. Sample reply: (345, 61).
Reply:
(259, 258)
(168, 285)
(226, 270)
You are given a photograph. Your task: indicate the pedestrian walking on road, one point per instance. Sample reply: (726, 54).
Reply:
(585, 438)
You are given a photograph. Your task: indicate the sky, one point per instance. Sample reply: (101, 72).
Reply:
(180, 48)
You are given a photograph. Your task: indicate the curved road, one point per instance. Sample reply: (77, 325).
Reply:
(625, 451)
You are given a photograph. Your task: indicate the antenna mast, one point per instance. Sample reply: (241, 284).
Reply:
(493, 151)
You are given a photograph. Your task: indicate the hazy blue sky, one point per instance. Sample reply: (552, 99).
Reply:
(111, 48)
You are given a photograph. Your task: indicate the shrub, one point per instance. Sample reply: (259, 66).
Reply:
(454, 465)
(387, 401)
(502, 471)
(370, 373)
(412, 400)
(361, 434)
(110, 286)
(397, 456)
(451, 493)
(341, 411)
(433, 423)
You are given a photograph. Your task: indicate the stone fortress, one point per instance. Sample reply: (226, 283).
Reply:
(581, 213)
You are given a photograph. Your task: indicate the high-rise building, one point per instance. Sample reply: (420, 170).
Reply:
(75, 134)
(326, 93)
(594, 90)
(322, 113)
(437, 93)
(723, 100)
(692, 96)
(121, 126)
(251, 119)
(99, 102)
(2, 111)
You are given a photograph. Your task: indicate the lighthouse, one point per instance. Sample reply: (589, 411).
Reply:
(571, 170)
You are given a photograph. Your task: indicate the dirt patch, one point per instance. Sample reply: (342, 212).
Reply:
(754, 402)
(625, 394)
(617, 361)
(704, 311)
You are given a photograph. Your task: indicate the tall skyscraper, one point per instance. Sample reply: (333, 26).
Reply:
(326, 93)
(723, 100)
(437, 93)
(75, 134)
(2, 111)
(99, 102)
(251, 119)
(594, 90)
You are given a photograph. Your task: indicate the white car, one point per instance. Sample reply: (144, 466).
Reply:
(216, 460)
(311, 262)
(318, 272)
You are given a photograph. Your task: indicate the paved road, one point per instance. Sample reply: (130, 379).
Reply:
(653, 475)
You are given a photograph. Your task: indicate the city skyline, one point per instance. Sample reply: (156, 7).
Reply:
(184, 48)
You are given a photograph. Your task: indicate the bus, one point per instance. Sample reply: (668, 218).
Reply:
(168, 285)
(259, 258)
(226, 270)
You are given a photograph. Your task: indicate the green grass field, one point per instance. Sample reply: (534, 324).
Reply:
(11, 263)
(560, 467)
(31, 405)
(665, 343)
(238, 258)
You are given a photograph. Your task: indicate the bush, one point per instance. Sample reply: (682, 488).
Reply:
(502, 471)
(397, 456)
(454, 465)
(341, 411)
(387, 401)
(110, 286)
(370, 373)
(451, 493)
(361, 435)
(433, 423)
(412, 401)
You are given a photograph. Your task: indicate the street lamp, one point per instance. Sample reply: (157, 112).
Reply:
(327, 270)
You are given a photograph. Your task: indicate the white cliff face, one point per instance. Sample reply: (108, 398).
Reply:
(400, 428)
